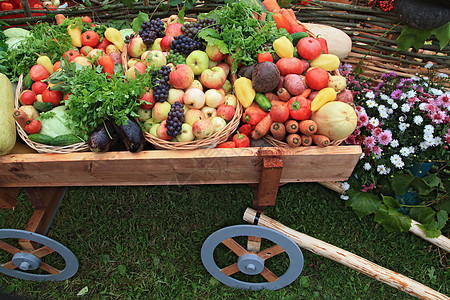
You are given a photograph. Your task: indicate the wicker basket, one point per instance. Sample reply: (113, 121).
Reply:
(42, 148)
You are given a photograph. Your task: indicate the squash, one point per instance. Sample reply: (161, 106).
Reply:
(7, 123)
(422, 14)
(336, 120)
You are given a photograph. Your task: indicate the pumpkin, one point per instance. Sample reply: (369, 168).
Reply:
(422, 14)
(336, 120)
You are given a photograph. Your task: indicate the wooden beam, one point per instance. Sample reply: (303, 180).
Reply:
(8, 197)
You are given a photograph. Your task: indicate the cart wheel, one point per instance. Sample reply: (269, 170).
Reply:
(28, 265)
(250, 263)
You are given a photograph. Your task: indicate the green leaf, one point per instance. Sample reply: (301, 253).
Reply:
(136, 24)
(392, 220)
(181, 15)
(400, 183)
(362, 203)
(390, 202)
(442, 33)
(88, 3)
(175, 2)
(412, 37)
(122, 269)
(442, 218)
(431, 232)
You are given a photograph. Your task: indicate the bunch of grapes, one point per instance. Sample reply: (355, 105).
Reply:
(128, 38)
(191, 29)
(151, 30)
(175, 119)
(185, 45)
(160, 79)
(175, 58)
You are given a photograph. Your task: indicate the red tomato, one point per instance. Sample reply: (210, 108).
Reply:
(279, 113)
(266, 56)
(317, 78)
(54, 97)
(107, 63)
(309, 48)
(38, 87)
(85, 50)
(56, 65)
(33, 126)
(38, 72)
(71, 54)
(103, 44)
(7, 6)
(298, 28)
(27, 97)
(89, 38)
(86, 19)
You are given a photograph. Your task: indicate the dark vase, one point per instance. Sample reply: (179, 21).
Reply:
(420, 169)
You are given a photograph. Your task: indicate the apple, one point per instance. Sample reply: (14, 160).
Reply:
(153, 129)
(144, 114)
(148, 124)
(175, 95)
(198, 61)
(231, 100)
(212, 64)
(82, 61)
(225, 67)
(227, 87)
(218, 123)
(194, 98)
(214, 53)
(214, 98)
(203, 128)
(147, 100)
(165, 42)
(131, 62)
(138, 67)
(193, 115)
(112, 48)
(210, 112)
(154, 58)
(157, 44)
(116, 57)
(186, 134)
(174, 29)
(196, 84)
(160, 111)
(226, 112)
(181, 77)
(136, 47)
(161, 131)
(213, 78)
(309, 48)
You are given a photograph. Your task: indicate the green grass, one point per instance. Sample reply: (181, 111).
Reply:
(144, 242)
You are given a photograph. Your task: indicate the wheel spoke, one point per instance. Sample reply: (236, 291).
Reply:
(43, 251)
(234, 246)
(271, 252)
(268, 275)
(49, 269)
(8, 248)
(230, 270)
(9, 265)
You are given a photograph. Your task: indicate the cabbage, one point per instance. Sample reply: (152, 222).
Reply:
(54, 122)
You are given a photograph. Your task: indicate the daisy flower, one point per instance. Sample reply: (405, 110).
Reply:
(418, 120)
(367, 166)
(396, 160)
(385, 137)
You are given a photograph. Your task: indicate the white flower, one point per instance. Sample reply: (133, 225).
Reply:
(362, 156)
(401, 119)
(404, 151)
(384, 97)
(394, 105)
(390, 101)
(423, 145)
(438, 140)
(377, 156)
(430, 142)
(436, 92)
(422, 106)
(429, 65)
(345, 185)
(384, 114)
(394, 143)
(405, 108)
(428, 136)
(367, 166)
(428, 129)
(412, 149)
(344, 197)
(390, 111)
(418, 120)
(411, 94)
(374, 122)
(403, 126)
(371, 103)
(396, 160)
(442, 75)
(383, 170)
(370, 95)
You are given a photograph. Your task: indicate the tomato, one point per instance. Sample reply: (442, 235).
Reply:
(103, 43)
(309, 48)
(86, 19)
(298, 28)
(71, 54)
(266, 56)
(27, 97)
(66, 97)
(279, 113)
(85, 50)
(147, 100)
(89, 38)
(107, 63)
(38, 87)
(33, 126)
(54, 97)
(56, 66)
(7, 6)
(38, 72)
(317, 78)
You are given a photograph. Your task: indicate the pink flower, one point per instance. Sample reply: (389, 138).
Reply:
(369, 126)
(385, 137)
(364, 119)
(413, 100)
(430, 107)
(376, 150)
(447, 137)
(377, 131)
(443, 100)
(370, 141)
(438, 117)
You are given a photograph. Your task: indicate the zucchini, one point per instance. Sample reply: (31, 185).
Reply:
(263, 102)
(42, 106)
(41, 138)
(296, 36)
(7, 123)
(66, 139)
(27, 82)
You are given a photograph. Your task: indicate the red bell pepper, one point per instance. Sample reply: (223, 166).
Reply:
(241, 140)
(246, 129)
(299, 108)
(253, 115)
(323, 43)
(108, 64)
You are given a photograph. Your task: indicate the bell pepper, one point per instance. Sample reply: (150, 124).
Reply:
(253, 115)
(323, 43)
(244, 91)
(283, 47)
(299, 108)
(241, 140)
(246, 129)
(108, 65)
(324, 96)
(229, 144)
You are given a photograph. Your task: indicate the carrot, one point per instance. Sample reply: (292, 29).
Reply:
(283, 94)
(320, 140)
(278, 130)
(21, 117)
(294, 140)
(281, 22)
(291, 126)
(263, 16)
(262, 128)
(305, 93)
(271, 96)
(277, 102)
(288, 17)
(306, 140)
(307, 127)
(292, 14)
(59, 18)
(271, 5)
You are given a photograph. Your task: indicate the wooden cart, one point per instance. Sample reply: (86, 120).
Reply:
(45, 177)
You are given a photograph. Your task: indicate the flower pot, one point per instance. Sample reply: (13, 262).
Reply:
(420, 169)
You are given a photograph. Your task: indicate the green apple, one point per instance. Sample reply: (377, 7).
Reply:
(186, 134)
(198, 61)
(148, 124)
(157, 44)
(154, 58)
(144, 114)
(153, 129)
(160, 111)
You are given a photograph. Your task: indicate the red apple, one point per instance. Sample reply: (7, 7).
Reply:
(309, 48)
(290, 65)
(138, 67)
(194, 98)
(225, 67)
(193, 115)
(203, 128)
(165, 42)
(213, 78)
(226, 112)
(174, 29)
(147, 100)
(161, 131)
(136, 47)
(214, 98)
(181, 77)
(214, 53)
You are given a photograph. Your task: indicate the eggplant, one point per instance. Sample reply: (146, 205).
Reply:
(131, 134)
(103, 138)
(422, 14)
